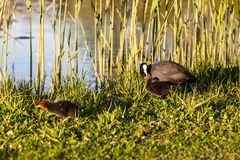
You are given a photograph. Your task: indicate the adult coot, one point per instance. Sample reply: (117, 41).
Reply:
(167, 71)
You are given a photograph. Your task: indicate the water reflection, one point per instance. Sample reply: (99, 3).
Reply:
(19, 54)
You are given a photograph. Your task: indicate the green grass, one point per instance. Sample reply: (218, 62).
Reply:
(123, 121)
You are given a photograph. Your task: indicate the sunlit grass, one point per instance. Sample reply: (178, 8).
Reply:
(125, 121)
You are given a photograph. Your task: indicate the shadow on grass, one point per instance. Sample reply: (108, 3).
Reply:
(207, 76)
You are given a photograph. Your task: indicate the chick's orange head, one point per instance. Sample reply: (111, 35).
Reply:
(42, 104)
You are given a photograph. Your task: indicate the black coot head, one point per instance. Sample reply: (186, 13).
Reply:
(143, 69)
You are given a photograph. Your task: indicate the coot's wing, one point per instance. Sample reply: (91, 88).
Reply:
(170, 71)
(159, 70)
(183, 70)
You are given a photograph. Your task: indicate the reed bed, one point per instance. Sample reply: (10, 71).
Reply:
(170, 32)
(189, 33)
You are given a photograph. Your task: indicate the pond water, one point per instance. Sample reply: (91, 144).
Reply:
(19, 43)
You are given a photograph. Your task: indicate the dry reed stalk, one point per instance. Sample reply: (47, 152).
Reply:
(76, 19)
(143, 29)
(111, 40)
(123, 24)
(133, 57)
(29, 7)
(40, 77)
(54, 22)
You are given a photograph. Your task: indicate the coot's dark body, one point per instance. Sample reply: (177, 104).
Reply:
(168, 71)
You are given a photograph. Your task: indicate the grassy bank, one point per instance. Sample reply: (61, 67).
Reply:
(125, 122)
